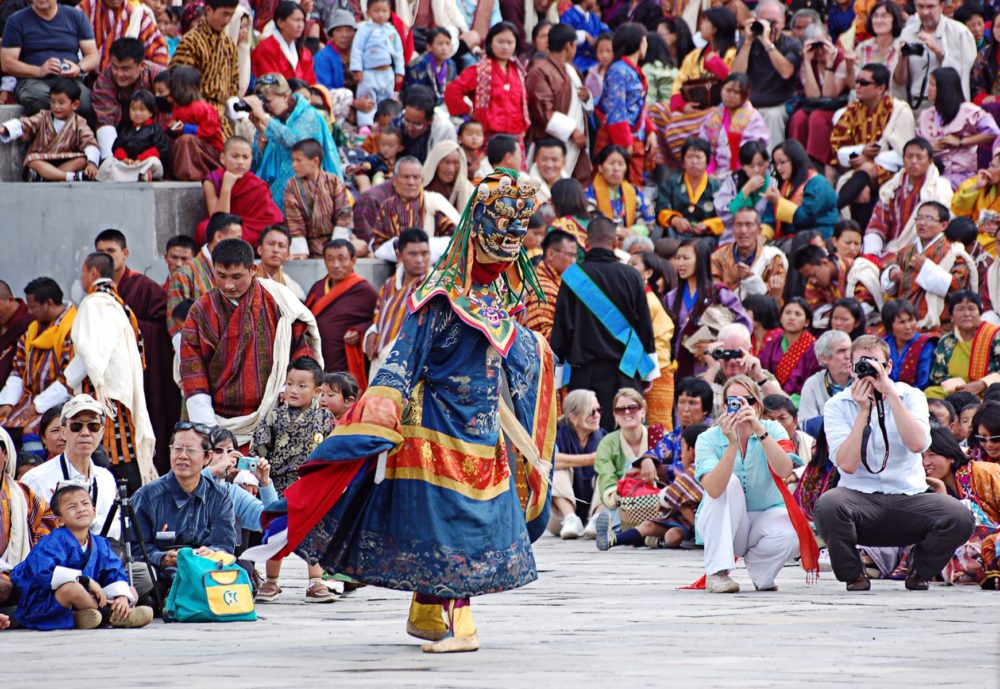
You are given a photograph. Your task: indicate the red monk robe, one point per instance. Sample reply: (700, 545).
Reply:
(148, 302)
(251, 200)
(348, 305)
(10, 333)
(228, 351)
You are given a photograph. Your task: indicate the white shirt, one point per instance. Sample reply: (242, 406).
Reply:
(44, 478)
(957, 45)
(904, 473)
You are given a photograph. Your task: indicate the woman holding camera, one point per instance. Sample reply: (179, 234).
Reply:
(746, 511)
(824, 77)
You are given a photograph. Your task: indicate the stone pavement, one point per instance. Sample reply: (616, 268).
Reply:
(594, 620)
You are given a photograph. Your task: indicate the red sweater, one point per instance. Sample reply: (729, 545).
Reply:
(268, 58)
(506, 111)
(203, 116)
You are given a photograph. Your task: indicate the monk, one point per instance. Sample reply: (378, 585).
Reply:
(344, 305)
(14, 320)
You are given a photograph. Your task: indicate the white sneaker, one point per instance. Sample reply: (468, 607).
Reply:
(572, 527)
(721, 583)
(590, 532)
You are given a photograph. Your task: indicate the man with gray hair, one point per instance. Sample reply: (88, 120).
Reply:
(771, 60)
(731, 356)
(833, 351)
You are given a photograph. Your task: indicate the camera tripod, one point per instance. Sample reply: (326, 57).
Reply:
(126, 514)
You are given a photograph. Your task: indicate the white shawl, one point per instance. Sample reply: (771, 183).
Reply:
(865, 273)
(993, 290)
(935, 303)
(934, 188)
(755, 283)
(105, 343)
(19, 541)
(463, 187)
(290, 310)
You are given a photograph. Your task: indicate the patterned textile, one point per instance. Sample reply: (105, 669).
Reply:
(213, 54)
(188, 283)
(660, 399)
(395, 215)
(912, 363)
(112, 24)
(287, 437)
(985, 77)
(792, 356)
(623, 103)
(817, 296)
(958, 162)
(40, 520)
(539, 314)
(814, 482)
(47, 144)
(888, 220)
(678, 197)
(683, 492)
(725, 260)
(577, 227)
(392, 309)
(313, 208)
(791, 367)
(498, 96)
(227, 351)
(909, 289)
(858, 126)
(40, 361)
(727, 132)
(943, 353)
(672, 129)
(110, 102)
(624, 204)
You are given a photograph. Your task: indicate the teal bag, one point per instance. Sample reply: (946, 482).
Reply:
(207, 590)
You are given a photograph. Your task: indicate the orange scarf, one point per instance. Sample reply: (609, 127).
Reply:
(602, 194)
(979, 358)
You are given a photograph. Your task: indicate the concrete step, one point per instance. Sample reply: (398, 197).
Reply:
(11, 155)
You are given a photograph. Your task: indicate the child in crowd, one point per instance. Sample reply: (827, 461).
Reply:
(385, 113)
(63, 147)
(537, 227)
(316, 202)
(376, 168)
(234, 189)
(585, 17)
(72, 578)
(436, 68)
(285, 438)
(377, 58)
(171, 28)
(164, 106)
(195, 126)
(141, 151)
(338, 393)
(472, 139)
(605, 55)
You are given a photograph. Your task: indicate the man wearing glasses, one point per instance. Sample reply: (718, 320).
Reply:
(180, 509)
(877, 430)
(83, 424)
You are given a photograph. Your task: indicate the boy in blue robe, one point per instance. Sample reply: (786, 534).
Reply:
(72, 578)
(584, 16)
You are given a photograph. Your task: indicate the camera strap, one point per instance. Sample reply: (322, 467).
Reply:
(867, 434)
(921, 95)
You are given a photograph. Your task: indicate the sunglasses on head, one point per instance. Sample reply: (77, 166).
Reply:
(77, 426)
(192, 426)
(628, 409)
(268, 80)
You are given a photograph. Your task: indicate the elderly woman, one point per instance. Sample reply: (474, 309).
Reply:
(578, 434)
(446, 172)
(746, 512)
(684, 202)
(282, 120)
(967, 359)
(911, 351)
(732, 124)
(791, 356)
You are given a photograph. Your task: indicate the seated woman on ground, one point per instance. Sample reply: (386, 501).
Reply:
(578, 433)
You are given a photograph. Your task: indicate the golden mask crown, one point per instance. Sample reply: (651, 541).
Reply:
(499, 185)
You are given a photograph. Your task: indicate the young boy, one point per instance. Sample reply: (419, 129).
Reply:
(503, 150)
(72, 578)
(377, 58)
(375, 168)
(285, 438)
(316, 202)
(436, 68)
(234, 189)
(585, 16)
(338, 393)
(180, 249)
(471, 138)
(63, 147)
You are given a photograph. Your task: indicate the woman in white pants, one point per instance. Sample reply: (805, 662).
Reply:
(742, 513)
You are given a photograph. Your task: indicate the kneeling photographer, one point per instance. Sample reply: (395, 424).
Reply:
(876, 431)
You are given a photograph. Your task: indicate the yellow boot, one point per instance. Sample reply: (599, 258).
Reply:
(461, 636)
(426, 621)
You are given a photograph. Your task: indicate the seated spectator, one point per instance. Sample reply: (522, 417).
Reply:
(51, 433)
(978, 198)
(127, 72)
(189, 509)
(763, 312)
(965, 233)
(208, 49)
(222, 468)
(472, 141)
(804, 200)
(748, 265)
(422, 125)
(435, 69)
(888, 506)
(402, 203)
(374, 169)
(569, 205)
(732, 124)
(170, 26)
(910, 351)
(894, 220)
(116, 19)
(695, 401)
(955, 127)
(624, 452)
(72, 578)
(965, 405)
(282, 52)
(141, 151)
(684, 202)
(316, 203)
(548, 168)
(445, 173)
(273, 252)
(578, 434)
(233, 189)
(867, 141)
(830, 277)
(332, 64)
(824, 79)
(877, 40)
(735, 338)
(942, 414)
(83, 424)
(339, 393)
(194, 126)
(791, 356)
(63, 152)
(833, 352)
(43, 43)
(745, 188)
(943, 267)
(780, 408)
(743, 513)
(772, 61)
(819, 474)
(968, 359)
(613, 195)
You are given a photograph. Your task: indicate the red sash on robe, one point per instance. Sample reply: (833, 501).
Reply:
(979, 359)
(791, 358)
(355, 354)
(908, 369)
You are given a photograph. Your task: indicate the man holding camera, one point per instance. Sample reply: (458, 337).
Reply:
(771, 60)
(883, 498)
(730, 356)
(931, 40)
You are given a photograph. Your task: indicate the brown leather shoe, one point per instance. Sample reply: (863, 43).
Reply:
(915, 582)
(862, 583)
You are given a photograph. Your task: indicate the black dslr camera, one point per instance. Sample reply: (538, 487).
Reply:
(757, 29)
(726, 354)
(913, 49)
(863, 369)
(242, 106)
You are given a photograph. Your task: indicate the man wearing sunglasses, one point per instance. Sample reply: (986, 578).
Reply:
(83, 425)
(877, 431)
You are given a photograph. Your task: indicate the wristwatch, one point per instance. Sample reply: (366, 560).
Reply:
(763, 436)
